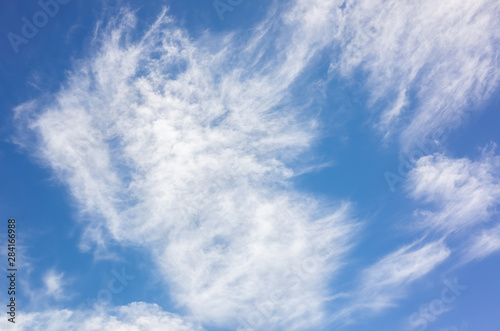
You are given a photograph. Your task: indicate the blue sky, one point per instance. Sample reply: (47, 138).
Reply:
(252, 165)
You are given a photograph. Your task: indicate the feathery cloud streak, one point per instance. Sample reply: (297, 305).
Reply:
(434, 61)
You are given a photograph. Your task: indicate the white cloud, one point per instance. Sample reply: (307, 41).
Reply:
(461, 193)
(54, 284)
(387, 280)
(484, 244)
(461, 197)
(185, 149)
(54, 289)
(382, 284)
(439, 57)
(136, 316)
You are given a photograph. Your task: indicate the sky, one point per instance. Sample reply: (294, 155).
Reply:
(251, 165)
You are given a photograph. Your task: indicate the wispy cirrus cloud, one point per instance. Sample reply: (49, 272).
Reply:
(387, 280)
(483, 244)
(384, 283)
(461, 197)
(431, 62)
(54, 289)
(188, 150)
(187, 147)
(135, 316)
(461, 193)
